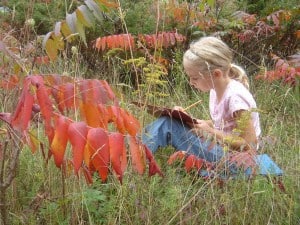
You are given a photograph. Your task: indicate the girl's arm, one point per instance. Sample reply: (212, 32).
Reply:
(243, 136)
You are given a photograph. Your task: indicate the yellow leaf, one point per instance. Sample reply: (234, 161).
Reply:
(59, 42)
(51, 49)
(65, 30)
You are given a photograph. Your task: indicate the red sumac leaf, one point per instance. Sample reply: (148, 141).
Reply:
(104, 116)
(132, 125)
(91, 114)
(86, 91)
(108, 89)
(60, 140)
(137, 155)
(193, 162)
(59, 97)
(116, 149)
(97, 43)
(189, 163)
(9, 83)
(100, 94)
(177, 155)
(172, 39)
(98, 146)
(69, 95)
(153, 167)
(87, 156)
(22, 115)
(43, 98)
(110, 42)
(103, 43)
(115, 114)
(77, 134)
(42, 60)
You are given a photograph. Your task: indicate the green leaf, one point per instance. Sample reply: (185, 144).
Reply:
(85, 16)
(80, 29)
(211, 3)
(202, 6)
(102, 6)
(95, 9)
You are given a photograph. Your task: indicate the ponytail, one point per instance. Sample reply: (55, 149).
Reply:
(237, 73)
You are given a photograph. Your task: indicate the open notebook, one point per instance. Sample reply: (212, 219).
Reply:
(163, 111)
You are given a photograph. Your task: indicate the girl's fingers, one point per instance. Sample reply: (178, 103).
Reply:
(179, 108)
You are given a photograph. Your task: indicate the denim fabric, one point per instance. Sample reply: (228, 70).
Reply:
(166, 131)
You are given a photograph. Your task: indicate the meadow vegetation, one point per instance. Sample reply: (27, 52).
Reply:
(41, 193)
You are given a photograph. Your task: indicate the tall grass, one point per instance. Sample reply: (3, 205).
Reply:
(40, 195)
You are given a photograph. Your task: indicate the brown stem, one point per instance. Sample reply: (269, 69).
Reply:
(3, 211)
(63, 168)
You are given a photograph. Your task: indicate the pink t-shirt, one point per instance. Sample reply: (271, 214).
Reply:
(236, 97)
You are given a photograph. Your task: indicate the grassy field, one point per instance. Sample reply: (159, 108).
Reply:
(41, 194)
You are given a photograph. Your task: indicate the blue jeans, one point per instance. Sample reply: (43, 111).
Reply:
(170, 132)
(166, 131)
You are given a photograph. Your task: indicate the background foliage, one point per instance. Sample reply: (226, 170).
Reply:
(263, 34)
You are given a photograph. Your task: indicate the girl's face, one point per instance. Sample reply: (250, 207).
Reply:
(198, 80)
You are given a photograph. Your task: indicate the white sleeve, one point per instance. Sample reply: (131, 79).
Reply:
(236, 103)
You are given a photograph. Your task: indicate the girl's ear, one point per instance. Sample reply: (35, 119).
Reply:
(217, 73)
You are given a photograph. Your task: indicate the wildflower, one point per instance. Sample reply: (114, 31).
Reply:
(30, 22)
(74, 50)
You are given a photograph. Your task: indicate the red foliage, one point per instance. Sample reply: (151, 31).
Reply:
(98, 149)
(161, 40)
(77, 133)
(153, 167)
(123, 41)
(60, 140)
(117, 154)
(190, 161)
(9, 82)
(283, 70)
(127, 41)
(94, 148)
(22, 115)
(137, 153)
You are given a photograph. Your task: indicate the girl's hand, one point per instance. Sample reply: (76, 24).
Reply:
(201, 127)
(178, 108)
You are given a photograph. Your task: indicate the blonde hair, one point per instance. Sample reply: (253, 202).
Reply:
(210, 53)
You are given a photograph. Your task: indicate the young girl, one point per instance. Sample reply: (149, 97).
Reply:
(235, 123)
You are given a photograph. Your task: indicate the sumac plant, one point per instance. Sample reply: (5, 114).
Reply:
(85, 113)
(286, 70)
